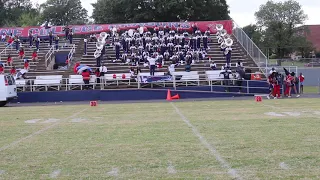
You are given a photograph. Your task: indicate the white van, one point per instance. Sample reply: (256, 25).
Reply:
(8, 89)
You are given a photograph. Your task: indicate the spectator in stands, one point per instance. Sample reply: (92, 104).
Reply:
(70, 36)
(86, 78)
(1, 69)
(75, 68)
(13, 71)
(3, 37)
(213, 66)
(103, 70)
(152, 65)
(56, 41)
(10, 42)
(85, 46)
(98, 75)
(301, 80)
(50, 38)
(21, 53)
(26, 64)
(9, 60)
(34, 55)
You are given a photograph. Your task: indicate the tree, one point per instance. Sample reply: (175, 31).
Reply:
(11, 10)
(64, 12)
(279, 21)
(133, 11)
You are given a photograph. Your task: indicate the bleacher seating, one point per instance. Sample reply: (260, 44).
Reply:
(75, 81)
(47, 82)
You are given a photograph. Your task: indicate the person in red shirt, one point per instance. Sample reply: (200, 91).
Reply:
(86, 78)
(26, 65)
(288, 80)
(34, 55)
(21, 53)
(270, 82)
(301, 79)
(13, 71)
(75, 67)
(10, 41)
(1, 69)
(9, 60)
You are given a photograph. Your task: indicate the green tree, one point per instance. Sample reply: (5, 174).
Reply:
(131, 11)
(280, 21)
(11, 10)
(64, 12)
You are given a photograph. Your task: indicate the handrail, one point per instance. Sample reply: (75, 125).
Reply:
(49, 55)
(70, 55)
(5, 50)
(250, 47)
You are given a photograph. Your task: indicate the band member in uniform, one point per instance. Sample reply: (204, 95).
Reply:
(70, 36)
(205, 41)
(85, 46)
(66, 31)
(50, 38)
(56, 41)
(37, 40)
(30, 39)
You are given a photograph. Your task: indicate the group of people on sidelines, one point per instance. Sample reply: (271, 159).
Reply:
(288, 81)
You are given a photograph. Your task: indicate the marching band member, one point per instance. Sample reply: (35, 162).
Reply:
(208, 32)
(37, 39)
(56, 41)
(117, 48)
(85, 46)
(156, 30)
(205, 41)
(50, 38)
(149, 47)
(166, 55)
(17, 43)
(30, 39)
(198, 41)
(227, 53)
(70, 36)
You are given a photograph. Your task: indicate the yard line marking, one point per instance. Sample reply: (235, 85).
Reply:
(283, 165)
(55, 173)
(171, 169)
(2, 172)
(38, 132)
(114, 172)
(232, 172)
(32, 121)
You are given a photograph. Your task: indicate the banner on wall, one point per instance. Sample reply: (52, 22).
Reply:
(97, 28)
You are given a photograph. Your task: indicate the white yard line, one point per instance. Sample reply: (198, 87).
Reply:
(171, 169)
(114, 172)
(232, 172)
(55, 173)
(38, 132)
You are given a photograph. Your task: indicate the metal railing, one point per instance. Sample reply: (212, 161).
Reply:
(4, 52)
(70, 55)
(48, 56)
(253, 51)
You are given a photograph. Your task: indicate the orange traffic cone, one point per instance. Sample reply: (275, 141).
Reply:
(169, 95)
(175, 97)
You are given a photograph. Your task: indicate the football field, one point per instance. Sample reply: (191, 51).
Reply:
(274, 139)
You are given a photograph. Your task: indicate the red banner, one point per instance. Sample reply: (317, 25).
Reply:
(97, 28)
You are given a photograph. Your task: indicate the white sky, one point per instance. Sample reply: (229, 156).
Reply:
(242, 11)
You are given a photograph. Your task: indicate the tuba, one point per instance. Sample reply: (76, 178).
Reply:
(130, 32)
(114, 31)
(228, 42)
(220, 40)
(100, 45)
(97, 54)
(219, 27)
(223, 33)
(223, 46)
(103, 35)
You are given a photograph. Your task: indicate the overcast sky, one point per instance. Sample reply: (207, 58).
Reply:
(242, 11)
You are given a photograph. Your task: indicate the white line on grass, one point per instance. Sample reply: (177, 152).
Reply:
(171, 169)
(2, 172)
(55, 173)
(114, 172)
(232, 172)
(36, 133)
(284, 166)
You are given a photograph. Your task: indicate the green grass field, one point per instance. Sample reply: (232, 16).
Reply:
(274, 139)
